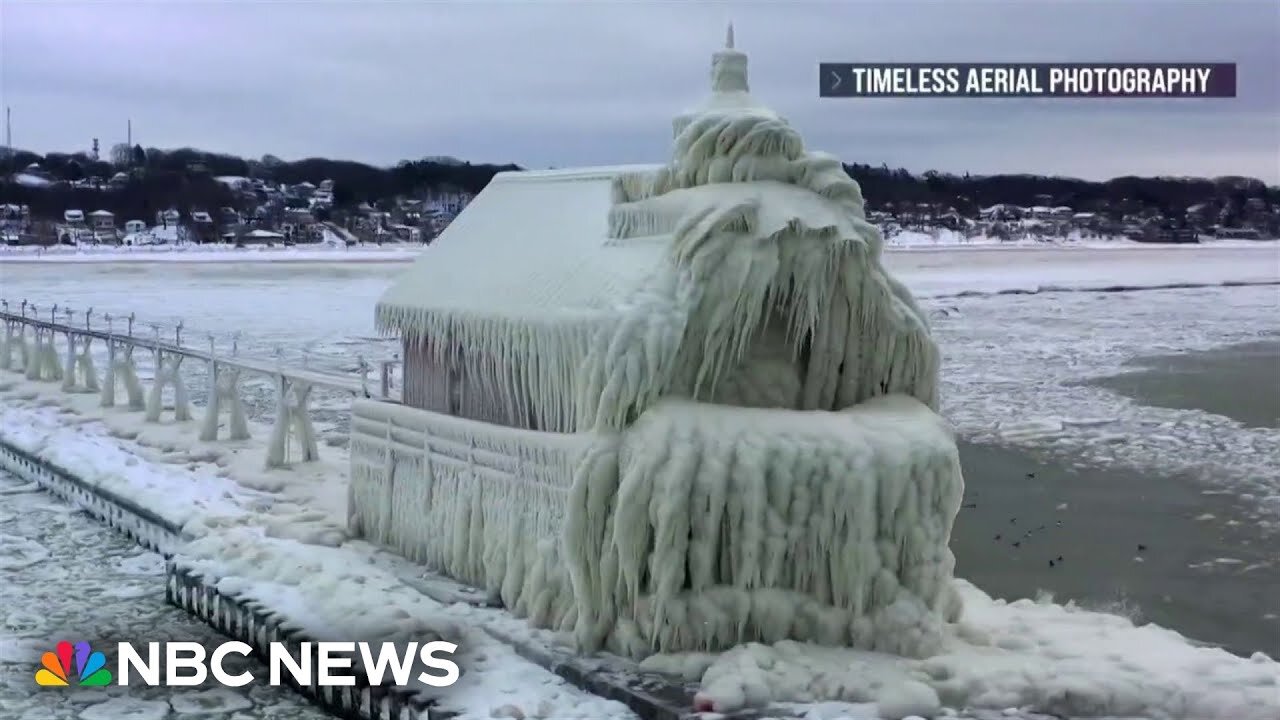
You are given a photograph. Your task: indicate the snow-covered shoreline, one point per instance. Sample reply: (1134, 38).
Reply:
(404, 253)
(210, 254)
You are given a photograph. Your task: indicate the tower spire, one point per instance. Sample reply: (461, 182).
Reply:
(730, 89)
(729, 67)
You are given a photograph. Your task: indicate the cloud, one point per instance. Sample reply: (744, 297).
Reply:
(570, 82)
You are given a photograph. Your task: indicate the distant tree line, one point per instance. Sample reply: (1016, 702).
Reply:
(185, 179)
(890, 189)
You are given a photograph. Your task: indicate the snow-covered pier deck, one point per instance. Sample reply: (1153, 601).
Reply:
(55, 345)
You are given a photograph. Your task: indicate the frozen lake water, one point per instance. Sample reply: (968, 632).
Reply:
(67, 577)
(1199, 488)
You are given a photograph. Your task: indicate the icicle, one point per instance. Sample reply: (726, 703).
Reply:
(292, 420)
(69, 371)
(168, 373)
(224, 393)
(7, 344)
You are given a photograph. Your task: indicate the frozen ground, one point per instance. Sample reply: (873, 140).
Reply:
(1008, 357)
(68, 577)
(63, 254)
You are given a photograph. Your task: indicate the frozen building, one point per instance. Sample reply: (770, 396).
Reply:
(671, 407)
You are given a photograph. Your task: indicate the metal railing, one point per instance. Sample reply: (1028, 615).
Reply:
(123, 329)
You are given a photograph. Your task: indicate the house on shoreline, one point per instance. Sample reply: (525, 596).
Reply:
(671, 407)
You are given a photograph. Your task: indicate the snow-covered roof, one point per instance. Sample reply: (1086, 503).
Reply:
(264, 234)
(532, 244)
(29, 180)
(600, 289)
(102, 213)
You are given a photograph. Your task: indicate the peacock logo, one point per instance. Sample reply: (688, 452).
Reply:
(91, 668)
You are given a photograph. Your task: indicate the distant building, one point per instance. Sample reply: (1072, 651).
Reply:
(102, 220)
(134, 226)
(73, 217)
(166, 218)
(1238, 233)
(259, 237)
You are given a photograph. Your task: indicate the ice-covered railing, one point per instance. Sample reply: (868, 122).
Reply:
(56, 343)
(483, 503)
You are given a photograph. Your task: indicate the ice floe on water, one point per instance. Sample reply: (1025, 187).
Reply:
(17, 552)
(123, 708)
(1013, 366)
(67, 577)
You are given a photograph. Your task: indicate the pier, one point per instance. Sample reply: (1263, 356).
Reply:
(54, 344)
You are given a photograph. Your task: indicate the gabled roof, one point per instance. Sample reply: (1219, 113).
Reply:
(533, 244)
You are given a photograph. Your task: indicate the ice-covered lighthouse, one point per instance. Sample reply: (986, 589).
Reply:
(673, 407)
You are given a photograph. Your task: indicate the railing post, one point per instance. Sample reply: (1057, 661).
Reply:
(177, 335)
(386, 379)
(131, 319)
(363, 366)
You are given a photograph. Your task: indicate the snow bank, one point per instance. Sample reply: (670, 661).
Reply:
(326, 592)
(1036, 656)
(202, 487)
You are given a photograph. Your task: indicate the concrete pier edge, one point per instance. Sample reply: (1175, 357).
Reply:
(257, 625)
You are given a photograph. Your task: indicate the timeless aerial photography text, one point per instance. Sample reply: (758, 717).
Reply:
(1066, 80)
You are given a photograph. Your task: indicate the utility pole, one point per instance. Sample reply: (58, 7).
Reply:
(130, 135)
(8, 128)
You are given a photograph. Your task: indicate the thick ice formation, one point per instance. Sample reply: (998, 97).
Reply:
(709, 525)
(770, 252)
(734, 472)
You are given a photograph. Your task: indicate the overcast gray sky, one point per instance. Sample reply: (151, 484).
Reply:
(570, 82)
